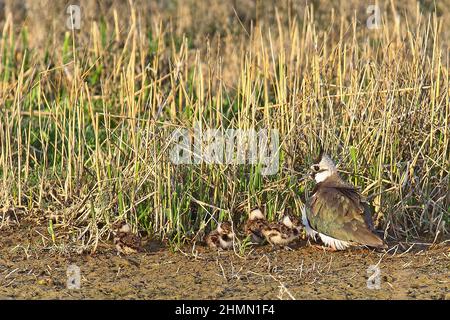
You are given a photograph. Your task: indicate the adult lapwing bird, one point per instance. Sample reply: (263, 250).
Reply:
(222, 237)
(336, 212)
(255, 225)
(125, 241)
(281, 233)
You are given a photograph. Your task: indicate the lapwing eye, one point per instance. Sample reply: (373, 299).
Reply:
(316, 167)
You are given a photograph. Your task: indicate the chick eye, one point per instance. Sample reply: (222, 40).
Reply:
(316, 167)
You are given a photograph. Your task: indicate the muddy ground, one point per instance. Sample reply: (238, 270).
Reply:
(28, 271)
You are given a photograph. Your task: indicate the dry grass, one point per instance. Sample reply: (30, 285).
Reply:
(86, 116)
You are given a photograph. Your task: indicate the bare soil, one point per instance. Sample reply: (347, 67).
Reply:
(28, 271)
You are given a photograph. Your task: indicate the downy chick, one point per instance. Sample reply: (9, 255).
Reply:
(282, 233)
(222, 237)
(255, 225)
(125, 241)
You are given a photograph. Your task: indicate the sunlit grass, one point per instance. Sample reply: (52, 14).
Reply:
(85, 124)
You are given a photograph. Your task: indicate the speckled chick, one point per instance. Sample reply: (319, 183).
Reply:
(222, 237)
(125, 241)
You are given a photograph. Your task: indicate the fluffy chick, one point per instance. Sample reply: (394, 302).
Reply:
(222, 237)
(282, 233)
(125, 241)
(255, 225)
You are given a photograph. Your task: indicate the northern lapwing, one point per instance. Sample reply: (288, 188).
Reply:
(336, 212)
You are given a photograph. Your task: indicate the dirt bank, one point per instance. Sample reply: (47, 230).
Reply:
(304, 273)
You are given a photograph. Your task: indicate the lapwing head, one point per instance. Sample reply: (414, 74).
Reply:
(323, 168)
(256, 214)
(225, 228)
